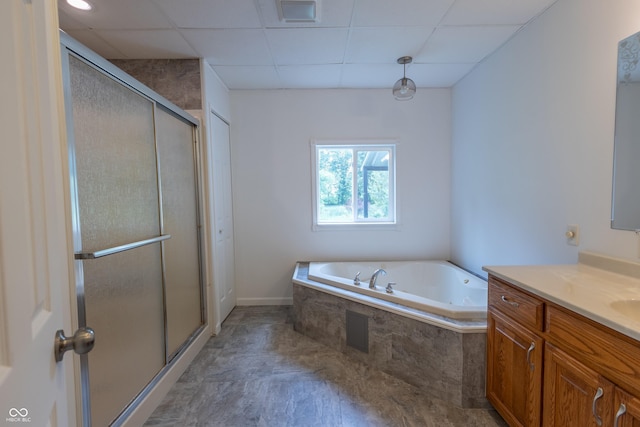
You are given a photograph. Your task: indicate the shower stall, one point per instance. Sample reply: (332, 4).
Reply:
(133, 164)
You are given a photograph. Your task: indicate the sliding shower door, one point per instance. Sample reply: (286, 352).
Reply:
(136, 236)
(179, 207)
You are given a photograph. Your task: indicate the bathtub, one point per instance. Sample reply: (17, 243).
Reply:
(438, 287)
(435, 292)
(429, 332)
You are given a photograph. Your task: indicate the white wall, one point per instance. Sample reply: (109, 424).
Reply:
(271, 167)
(532, 141)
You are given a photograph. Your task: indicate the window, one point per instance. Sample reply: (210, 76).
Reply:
(354, 183)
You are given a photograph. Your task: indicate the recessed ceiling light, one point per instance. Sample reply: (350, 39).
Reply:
(80, 4)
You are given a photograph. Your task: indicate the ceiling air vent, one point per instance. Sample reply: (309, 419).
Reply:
(297, 10)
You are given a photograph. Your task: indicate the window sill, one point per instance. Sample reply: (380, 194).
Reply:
(369, 226)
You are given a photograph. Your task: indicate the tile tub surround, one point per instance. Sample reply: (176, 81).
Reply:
(442, 363)
(259, 372)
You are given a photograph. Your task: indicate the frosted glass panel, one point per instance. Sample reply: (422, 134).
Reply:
(182, 268)
(115, 160)
(123, 295)
(118, 203)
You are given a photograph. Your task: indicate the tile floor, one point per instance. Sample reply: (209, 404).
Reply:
(259, 372)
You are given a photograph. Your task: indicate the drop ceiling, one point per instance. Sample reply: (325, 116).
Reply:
(353, 44)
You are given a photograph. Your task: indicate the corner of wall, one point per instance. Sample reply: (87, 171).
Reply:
(214, 92)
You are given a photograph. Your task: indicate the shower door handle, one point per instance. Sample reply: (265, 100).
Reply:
(81, 342)
(121, 248)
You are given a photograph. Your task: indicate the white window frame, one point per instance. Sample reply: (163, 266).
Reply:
(360, 145)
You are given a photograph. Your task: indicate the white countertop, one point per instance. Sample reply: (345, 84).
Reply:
(588, 287)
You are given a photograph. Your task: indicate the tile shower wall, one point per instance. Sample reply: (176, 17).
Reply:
(443, 363)
(178, 80)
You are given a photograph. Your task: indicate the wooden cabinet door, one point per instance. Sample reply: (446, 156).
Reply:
(627, 410)
(575, 395)
(514, 371)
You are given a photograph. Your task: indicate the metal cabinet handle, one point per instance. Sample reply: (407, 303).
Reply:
(621, 411)
(81, 342)
(598, 395)
(513, 303)
(531, 348)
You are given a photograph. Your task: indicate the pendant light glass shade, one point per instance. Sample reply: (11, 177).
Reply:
(405, 88)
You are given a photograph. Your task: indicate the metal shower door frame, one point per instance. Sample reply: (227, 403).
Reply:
(70, 47)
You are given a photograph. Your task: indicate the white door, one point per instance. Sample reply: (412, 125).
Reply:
(223, 249)
(34, 252)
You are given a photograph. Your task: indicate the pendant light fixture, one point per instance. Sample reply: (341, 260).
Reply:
(405, 88)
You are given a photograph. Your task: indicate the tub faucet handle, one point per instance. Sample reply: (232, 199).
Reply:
(356, 280)
(389, 287)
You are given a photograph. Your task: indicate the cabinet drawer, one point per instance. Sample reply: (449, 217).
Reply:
(614, 355)
(522, 307)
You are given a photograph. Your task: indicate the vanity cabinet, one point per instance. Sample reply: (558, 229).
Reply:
(570, 389)
(548, 366)
(514, 370)
(627, 410)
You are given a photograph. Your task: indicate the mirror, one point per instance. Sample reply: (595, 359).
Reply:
(625, 206)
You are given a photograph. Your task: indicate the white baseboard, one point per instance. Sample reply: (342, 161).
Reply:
(265, 301)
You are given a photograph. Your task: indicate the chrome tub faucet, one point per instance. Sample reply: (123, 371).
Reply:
(374, 277)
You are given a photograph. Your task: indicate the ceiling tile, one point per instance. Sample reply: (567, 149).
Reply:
(464, 44)
(148, 44)
(94, 42)
(385, 45)
(211, 14)
(438, 75)
(119, 15)
(253, 77)
(370, 75)
(293, 46)
(354, 42)
(310, 76)
(400, 12)
(230, 47)
(68, 22)
(331, 13)
(494, 12)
